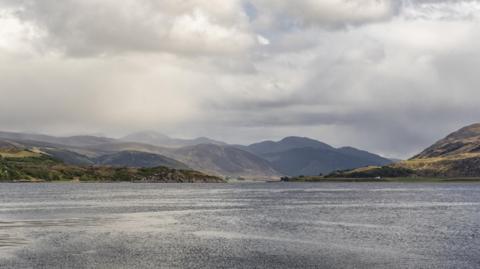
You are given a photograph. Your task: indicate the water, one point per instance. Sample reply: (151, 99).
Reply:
(270, 225)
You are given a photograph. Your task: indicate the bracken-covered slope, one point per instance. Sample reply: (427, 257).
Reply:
(463, 141)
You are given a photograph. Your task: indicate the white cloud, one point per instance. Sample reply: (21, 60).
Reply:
(441, 10)
(374, 74)
(88, 27)
(263, 40)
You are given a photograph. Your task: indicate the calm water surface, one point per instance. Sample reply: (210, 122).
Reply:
(240, 225)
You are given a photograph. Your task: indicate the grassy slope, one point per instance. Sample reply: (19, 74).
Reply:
(18, 153)
(386, 180)
(31, 166)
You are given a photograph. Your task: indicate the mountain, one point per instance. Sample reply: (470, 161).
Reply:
(68, 157)
(158, 139)
(138, 159)
(457, 155)
(80, 141)
(295, 156)
(225, 161)
(463, 141)
(285, 144)
(216, 159)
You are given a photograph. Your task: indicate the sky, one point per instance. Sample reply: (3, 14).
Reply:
(391, 77)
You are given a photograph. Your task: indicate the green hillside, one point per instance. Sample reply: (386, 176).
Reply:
(25, 165)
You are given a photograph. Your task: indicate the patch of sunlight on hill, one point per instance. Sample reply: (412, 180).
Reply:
(18, 154)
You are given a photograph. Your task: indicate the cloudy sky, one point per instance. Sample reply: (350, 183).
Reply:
(387, 76)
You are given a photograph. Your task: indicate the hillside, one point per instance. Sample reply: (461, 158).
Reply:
(17, 164)
(463, 141)
(295, 156)
(225, 160)
(457, 155)
(138, 159)
(109, 148)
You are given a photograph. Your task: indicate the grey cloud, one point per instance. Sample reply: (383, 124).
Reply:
(392, 84)
(88, 28)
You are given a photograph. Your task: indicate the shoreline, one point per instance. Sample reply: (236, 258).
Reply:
(385, 180)
(305, 180)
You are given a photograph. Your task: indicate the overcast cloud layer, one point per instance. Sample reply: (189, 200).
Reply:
(387, 76)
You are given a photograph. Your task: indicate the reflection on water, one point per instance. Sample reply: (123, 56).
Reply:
(282, 225)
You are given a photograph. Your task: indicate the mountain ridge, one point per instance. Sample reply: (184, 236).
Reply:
(464, 140)
(159, 139)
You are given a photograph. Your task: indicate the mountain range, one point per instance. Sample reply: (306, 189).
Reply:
(264, 160)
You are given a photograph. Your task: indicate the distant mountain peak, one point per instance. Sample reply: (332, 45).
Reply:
(287, 143)
(296, 138)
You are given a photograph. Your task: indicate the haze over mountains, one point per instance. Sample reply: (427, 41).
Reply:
(290, 156)
(155, 138)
